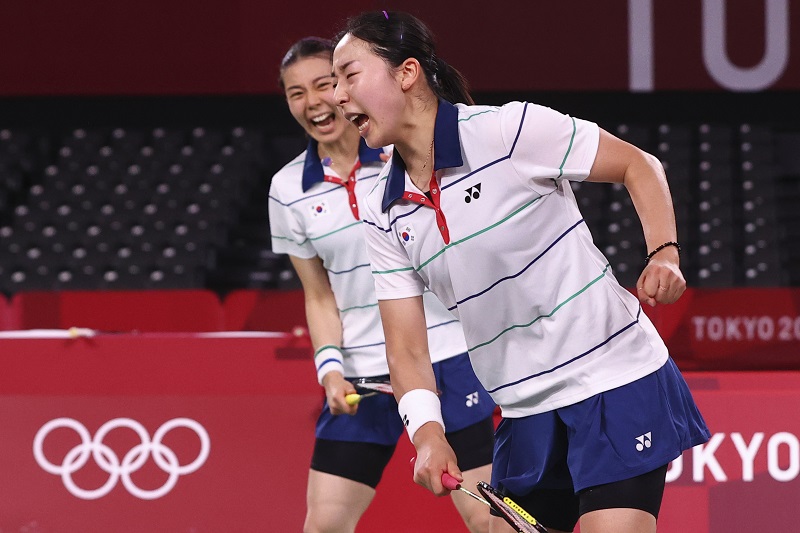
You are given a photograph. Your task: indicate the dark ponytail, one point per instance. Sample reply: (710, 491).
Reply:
(397, 36)
(450, 84)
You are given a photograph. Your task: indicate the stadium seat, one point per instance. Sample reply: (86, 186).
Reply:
(150, 206)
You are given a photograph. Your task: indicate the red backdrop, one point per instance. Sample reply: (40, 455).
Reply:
(256, 403)
(707, 329)
(234, 46)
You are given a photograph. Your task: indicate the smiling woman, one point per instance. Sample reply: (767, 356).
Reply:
(306, 80)
(314, 211)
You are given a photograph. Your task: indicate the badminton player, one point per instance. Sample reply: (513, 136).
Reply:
(593, 407)
(315, 206)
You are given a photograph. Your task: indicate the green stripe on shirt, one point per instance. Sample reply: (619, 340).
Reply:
(569, 148)
(548, 315)
(357, 307)
(484, 230)
(316, 238)
(495, 110)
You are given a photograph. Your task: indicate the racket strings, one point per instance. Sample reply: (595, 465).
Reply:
(366, 387)
(384, 387)
(377, 387)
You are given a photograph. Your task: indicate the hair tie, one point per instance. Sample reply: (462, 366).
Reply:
(385, 14)
(433, 64)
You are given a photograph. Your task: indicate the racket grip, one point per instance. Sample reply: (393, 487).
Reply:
(449, 482)
(352, 399)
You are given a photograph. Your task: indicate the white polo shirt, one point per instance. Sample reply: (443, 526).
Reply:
(310, 217)
(547, 324)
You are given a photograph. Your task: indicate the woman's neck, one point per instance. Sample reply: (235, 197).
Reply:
(342, 152)
(416, 147)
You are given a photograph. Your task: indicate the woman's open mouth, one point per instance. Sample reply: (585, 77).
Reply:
(360, 121)
(324, 120)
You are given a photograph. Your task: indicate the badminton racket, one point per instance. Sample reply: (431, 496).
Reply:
(366, 387)
(513, 514)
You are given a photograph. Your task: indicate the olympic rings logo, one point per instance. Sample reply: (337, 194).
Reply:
(109, 462)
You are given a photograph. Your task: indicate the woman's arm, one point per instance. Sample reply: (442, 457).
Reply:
(324, 326)
(643, 175)
(411, 370)
(322, 315)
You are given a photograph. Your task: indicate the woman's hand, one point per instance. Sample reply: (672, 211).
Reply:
(434, 457)
(336, 388)
(661, 281)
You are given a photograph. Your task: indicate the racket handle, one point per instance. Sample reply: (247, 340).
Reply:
(449, 482)
(352, 399)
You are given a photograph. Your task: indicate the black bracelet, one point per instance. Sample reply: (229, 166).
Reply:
(659, 248)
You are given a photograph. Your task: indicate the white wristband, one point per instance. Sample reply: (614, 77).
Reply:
(418, 407)
(327, 359)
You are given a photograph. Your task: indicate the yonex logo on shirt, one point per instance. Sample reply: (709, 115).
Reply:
(644, 441)
(473, 193)
(472, 399)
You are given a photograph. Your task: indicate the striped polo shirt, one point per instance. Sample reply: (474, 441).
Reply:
(310, 217)
(508, 252)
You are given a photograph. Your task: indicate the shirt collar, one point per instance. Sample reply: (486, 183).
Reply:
(446, 153)
(313, 172)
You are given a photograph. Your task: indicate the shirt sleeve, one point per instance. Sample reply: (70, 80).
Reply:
(394, 275)
(287, 230)
(547, 145)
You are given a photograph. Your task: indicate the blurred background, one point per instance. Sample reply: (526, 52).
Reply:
(137, 139)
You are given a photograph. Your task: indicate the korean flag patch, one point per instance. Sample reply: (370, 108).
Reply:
(319, 208)
(407, 234)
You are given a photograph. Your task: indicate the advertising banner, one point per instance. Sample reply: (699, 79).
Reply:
(208, 433)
